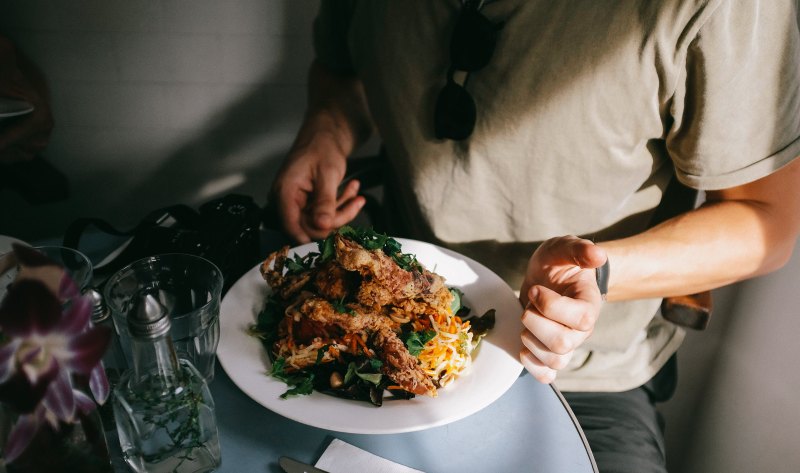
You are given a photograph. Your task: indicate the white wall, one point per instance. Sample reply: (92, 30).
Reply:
(738, 405)
(160, 102)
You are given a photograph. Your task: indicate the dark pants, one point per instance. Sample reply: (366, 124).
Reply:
(624, 430)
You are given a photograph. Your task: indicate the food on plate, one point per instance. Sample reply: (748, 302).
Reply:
(359, 317)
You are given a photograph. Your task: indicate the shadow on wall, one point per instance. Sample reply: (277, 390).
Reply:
(142, 124)
(217, 159)
(240, 149)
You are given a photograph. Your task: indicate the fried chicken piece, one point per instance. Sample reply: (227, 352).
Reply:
(437, 303)
(284, 285)
(332, 281)
(384, 281)
(400, 365)
(320, 310)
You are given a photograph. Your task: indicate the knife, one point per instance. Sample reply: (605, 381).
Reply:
(291, 465)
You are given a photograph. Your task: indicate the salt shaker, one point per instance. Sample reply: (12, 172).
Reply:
(163, 407)
(114, 361)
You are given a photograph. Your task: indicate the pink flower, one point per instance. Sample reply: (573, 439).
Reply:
(48, 342)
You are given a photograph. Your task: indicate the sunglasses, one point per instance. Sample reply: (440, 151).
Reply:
(471, 47)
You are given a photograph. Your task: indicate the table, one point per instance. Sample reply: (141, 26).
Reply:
(530, 428)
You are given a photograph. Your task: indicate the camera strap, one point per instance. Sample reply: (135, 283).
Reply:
(224, 231)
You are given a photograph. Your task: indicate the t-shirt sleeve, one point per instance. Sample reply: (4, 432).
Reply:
(331, 35)
(736, 110)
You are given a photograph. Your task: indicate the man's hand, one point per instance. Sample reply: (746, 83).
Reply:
(562, 303)
(307, 189)
(23, 137)
(310, 197)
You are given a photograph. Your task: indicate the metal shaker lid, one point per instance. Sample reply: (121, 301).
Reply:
(148, 318)
(100, 311)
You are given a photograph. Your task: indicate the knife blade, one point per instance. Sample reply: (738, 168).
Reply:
(290, 465)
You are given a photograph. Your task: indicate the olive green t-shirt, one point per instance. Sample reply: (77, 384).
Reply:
(584, 112)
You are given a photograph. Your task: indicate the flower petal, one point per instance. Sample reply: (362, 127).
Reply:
(38, 373)
(67, 289)
(28, 256)
(29, 355)
(98, 384)
(77, 316)
(84, 403)
(59, 398)
(21, 435)
(88, 348)
(7, 365)
(20, 394)
(29, 307)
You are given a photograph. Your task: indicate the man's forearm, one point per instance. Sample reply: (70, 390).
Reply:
(337, 110)
(737, 234)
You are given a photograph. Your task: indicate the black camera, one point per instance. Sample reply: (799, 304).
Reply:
(229, 235)
(224, 231)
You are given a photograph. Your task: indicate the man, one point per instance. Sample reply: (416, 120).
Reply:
(583, 113)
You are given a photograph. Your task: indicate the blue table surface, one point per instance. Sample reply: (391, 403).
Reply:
(527, 429)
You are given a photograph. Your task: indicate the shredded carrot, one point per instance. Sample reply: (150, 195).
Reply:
(364, 346)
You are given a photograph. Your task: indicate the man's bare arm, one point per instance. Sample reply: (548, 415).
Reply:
(306, 188)
(738, 233)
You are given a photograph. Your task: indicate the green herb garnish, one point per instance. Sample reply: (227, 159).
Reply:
(326, 249)
(372, 240)
(301, 382)
(266, 326)
(340, 307)
(415, 341)
(352, 371)
(305, 386)
(300, 264)
(375, 364)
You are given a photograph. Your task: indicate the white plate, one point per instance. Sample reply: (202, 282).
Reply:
(6, 241)
(495, 365)
(13, 107)
(7, 275)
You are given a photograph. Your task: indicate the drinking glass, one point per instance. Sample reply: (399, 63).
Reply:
(73, 261)
(189, 287)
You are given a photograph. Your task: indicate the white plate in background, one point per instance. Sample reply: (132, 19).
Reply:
(13, 107)
(495, 364)
(7, 277)
(6, 241)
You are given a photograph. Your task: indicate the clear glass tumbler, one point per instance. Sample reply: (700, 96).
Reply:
(73, 261)
(189, 287)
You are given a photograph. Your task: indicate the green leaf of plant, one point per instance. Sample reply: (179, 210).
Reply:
(374, 378)
(277, 369)
(351, 371)
(455, 306)
(301, 387)
(375, 364)
(415, 341)
(326, 249)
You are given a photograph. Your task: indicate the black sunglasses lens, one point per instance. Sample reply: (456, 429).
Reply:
(455, 113)
(471, 48)
(473, 41)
